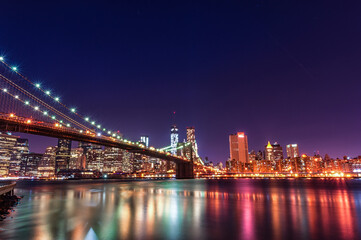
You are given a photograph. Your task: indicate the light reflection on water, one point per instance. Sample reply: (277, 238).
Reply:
(188, 209)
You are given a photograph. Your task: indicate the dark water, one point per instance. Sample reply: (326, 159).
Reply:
(188, 209)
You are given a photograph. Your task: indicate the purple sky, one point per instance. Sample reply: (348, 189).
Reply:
(278, 70)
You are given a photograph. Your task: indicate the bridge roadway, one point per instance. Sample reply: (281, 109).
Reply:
(31, 126)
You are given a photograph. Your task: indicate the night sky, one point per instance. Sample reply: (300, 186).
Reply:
(282, 71)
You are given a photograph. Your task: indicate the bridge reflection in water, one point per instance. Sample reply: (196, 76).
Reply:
(189, 209)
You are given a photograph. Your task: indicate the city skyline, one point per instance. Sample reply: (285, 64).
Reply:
(197, 72)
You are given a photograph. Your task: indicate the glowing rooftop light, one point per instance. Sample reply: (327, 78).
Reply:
(36, 108)
(57, 99)
(5, 90)
(47, 92)
(14, 68)
(37, 85)
(73, 110)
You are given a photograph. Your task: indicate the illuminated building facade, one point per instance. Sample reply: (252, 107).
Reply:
(7, 149)
(238, 148)
(191, 138)
(63, 154)
(174, 139)
(127, 162)
(144, 140)
(277, 151)
(21, 147)
(112, 159)
(292, 151)
(268, 152)
(29, 164)
(47, 164)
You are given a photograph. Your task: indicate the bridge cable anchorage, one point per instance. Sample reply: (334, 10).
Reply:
(48, 93)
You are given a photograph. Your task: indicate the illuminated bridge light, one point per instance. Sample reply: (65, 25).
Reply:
(1, 58)
(93, 123)
(86, 119)
(61, 121)
(16, 96)
(113, 135)
(104, 129)
(118, 137)
(98, 126)
(38, 85)
(109, 132)
(81, 131)
(45, 113)
(73, 110)
(5, 90)
(68, 125)
(99, 134)
(53, 117)
(36, 108)
(57, 99)
(26, 102)
(14, 68)
(47, 92)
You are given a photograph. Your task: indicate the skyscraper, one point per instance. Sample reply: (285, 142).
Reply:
(268, 152)
(277, 151)
(238, 145)
(292, 151)
(63, 154)
(174, 139)
(191, 138)
(7, 149)
(145, 140)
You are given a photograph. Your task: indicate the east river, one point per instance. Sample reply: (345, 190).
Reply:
(188, 209)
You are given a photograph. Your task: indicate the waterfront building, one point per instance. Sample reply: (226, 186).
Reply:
(238, 147)
(46, 166)
(7, 149)
(29, 164)
(95, 158)
(63, 154)
(21, 147)
(252, 155)
(292, 151)
(112, 159)
(76, 158)
(127, 162)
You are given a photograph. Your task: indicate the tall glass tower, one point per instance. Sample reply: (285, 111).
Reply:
(174, 139)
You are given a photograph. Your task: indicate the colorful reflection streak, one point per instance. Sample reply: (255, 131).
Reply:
(189, 209)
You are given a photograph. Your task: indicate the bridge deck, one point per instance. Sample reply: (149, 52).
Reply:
(18, 124)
